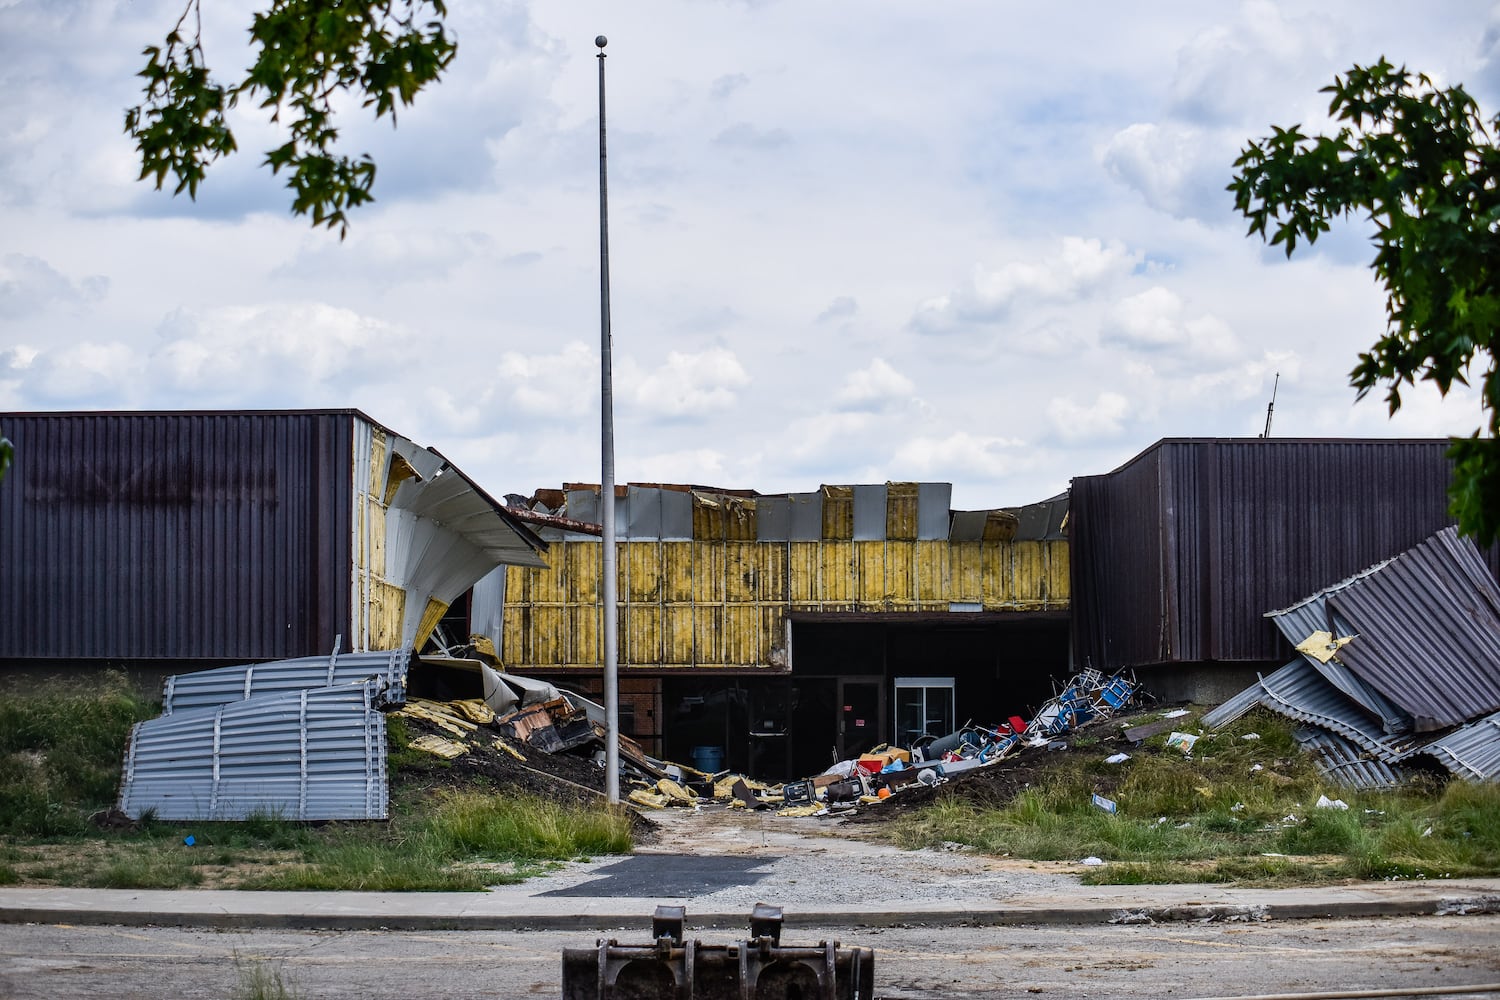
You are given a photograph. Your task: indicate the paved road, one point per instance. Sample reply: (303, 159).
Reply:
(1149, 962)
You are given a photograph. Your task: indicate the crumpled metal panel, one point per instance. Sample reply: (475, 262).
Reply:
(1471, 751)
(1427, 624)
(1309, 616)
(1347, 764)
(223, 685)
(317, 754)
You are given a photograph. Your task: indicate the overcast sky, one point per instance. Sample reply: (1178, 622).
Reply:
(970, 241)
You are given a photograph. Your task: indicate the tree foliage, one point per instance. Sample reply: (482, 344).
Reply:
(306, 53)
(7, 452)
(1422, 164)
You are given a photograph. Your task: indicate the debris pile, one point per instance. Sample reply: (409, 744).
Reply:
(1398, 669)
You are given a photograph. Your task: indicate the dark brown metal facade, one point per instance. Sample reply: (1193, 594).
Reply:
(1177, 555)
(175, 535)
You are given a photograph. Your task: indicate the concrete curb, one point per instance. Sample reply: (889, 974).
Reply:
(639, 920)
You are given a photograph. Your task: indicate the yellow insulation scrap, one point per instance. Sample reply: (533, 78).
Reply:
(811, 809)
(434, 713)
(675, 792)
(474, 709)
(724, 788)
(446, 749)
(502, 745)
(641, 797)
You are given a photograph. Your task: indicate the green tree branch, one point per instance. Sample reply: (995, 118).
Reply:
(1423, 166)
(306, 52)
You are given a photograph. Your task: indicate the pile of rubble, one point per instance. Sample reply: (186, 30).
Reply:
(561, 725)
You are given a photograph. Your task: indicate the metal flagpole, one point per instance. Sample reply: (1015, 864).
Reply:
(607, 479)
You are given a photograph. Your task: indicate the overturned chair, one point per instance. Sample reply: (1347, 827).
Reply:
(758, 968)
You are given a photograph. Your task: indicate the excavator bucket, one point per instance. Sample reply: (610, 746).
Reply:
(757, 968)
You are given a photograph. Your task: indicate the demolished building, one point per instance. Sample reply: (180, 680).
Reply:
(785, 631)
(174, 540)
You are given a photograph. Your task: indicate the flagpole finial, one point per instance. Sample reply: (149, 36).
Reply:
(601, 41)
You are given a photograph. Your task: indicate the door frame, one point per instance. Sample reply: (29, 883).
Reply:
(878, 736)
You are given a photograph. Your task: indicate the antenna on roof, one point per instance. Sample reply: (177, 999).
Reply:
(1271, 406)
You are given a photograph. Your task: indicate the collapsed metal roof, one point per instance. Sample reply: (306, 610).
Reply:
(314, 754)
(297, 739)
(1426, 633)
(223, 685)
(1409, 646)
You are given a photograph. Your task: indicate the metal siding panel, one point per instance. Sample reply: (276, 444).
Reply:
(870, 513)
(934, 510)
(173, 535)
(807, 516)
(773, 519)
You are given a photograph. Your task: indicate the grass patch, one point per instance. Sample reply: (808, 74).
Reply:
(61, 744)
(1238, 810)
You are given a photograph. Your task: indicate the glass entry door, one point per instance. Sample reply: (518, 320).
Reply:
(924, 707)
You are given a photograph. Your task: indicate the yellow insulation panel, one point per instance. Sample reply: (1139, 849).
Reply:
(725, 603)
(838, 512)
(901, 512)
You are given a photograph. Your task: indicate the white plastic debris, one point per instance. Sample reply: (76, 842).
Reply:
(1092, 861)
(1118, 758)
(1175, 713)
(1427, 832)
(1237, 807)
(1183, 741)
(1108, 805)
(1251, 736)
(1256, 767)
(1324, 802)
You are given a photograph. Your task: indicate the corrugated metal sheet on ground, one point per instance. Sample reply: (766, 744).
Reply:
(1428, 627)
(1471, 751)
(1346, 763)
(316, 754)
(222, 685)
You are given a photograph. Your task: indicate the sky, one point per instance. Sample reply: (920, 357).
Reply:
(974, 242)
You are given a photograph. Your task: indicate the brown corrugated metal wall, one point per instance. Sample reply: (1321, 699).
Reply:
(174, 535)
(1178, 554)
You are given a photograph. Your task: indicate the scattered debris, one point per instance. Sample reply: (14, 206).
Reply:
(1108, 805)
(1182, 741)
(1324, 802)
(1117, 758)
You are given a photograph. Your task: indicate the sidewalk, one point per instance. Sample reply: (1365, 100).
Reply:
(521, 908)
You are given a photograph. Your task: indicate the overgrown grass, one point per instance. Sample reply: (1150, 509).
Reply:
(61, 744)
(1237, 810)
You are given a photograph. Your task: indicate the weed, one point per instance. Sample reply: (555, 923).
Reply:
(8, 875)
(259, 979)
(145, 867)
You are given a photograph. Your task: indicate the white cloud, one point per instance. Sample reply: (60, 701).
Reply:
(1103, 418)
(1078, 268)
(874, 387)
(29, 285)
(1155, 320)
(1178, 169)
(688, 384)
(551, 386)
(958, 456)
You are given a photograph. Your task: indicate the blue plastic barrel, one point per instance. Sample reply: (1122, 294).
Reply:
(708, 759)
